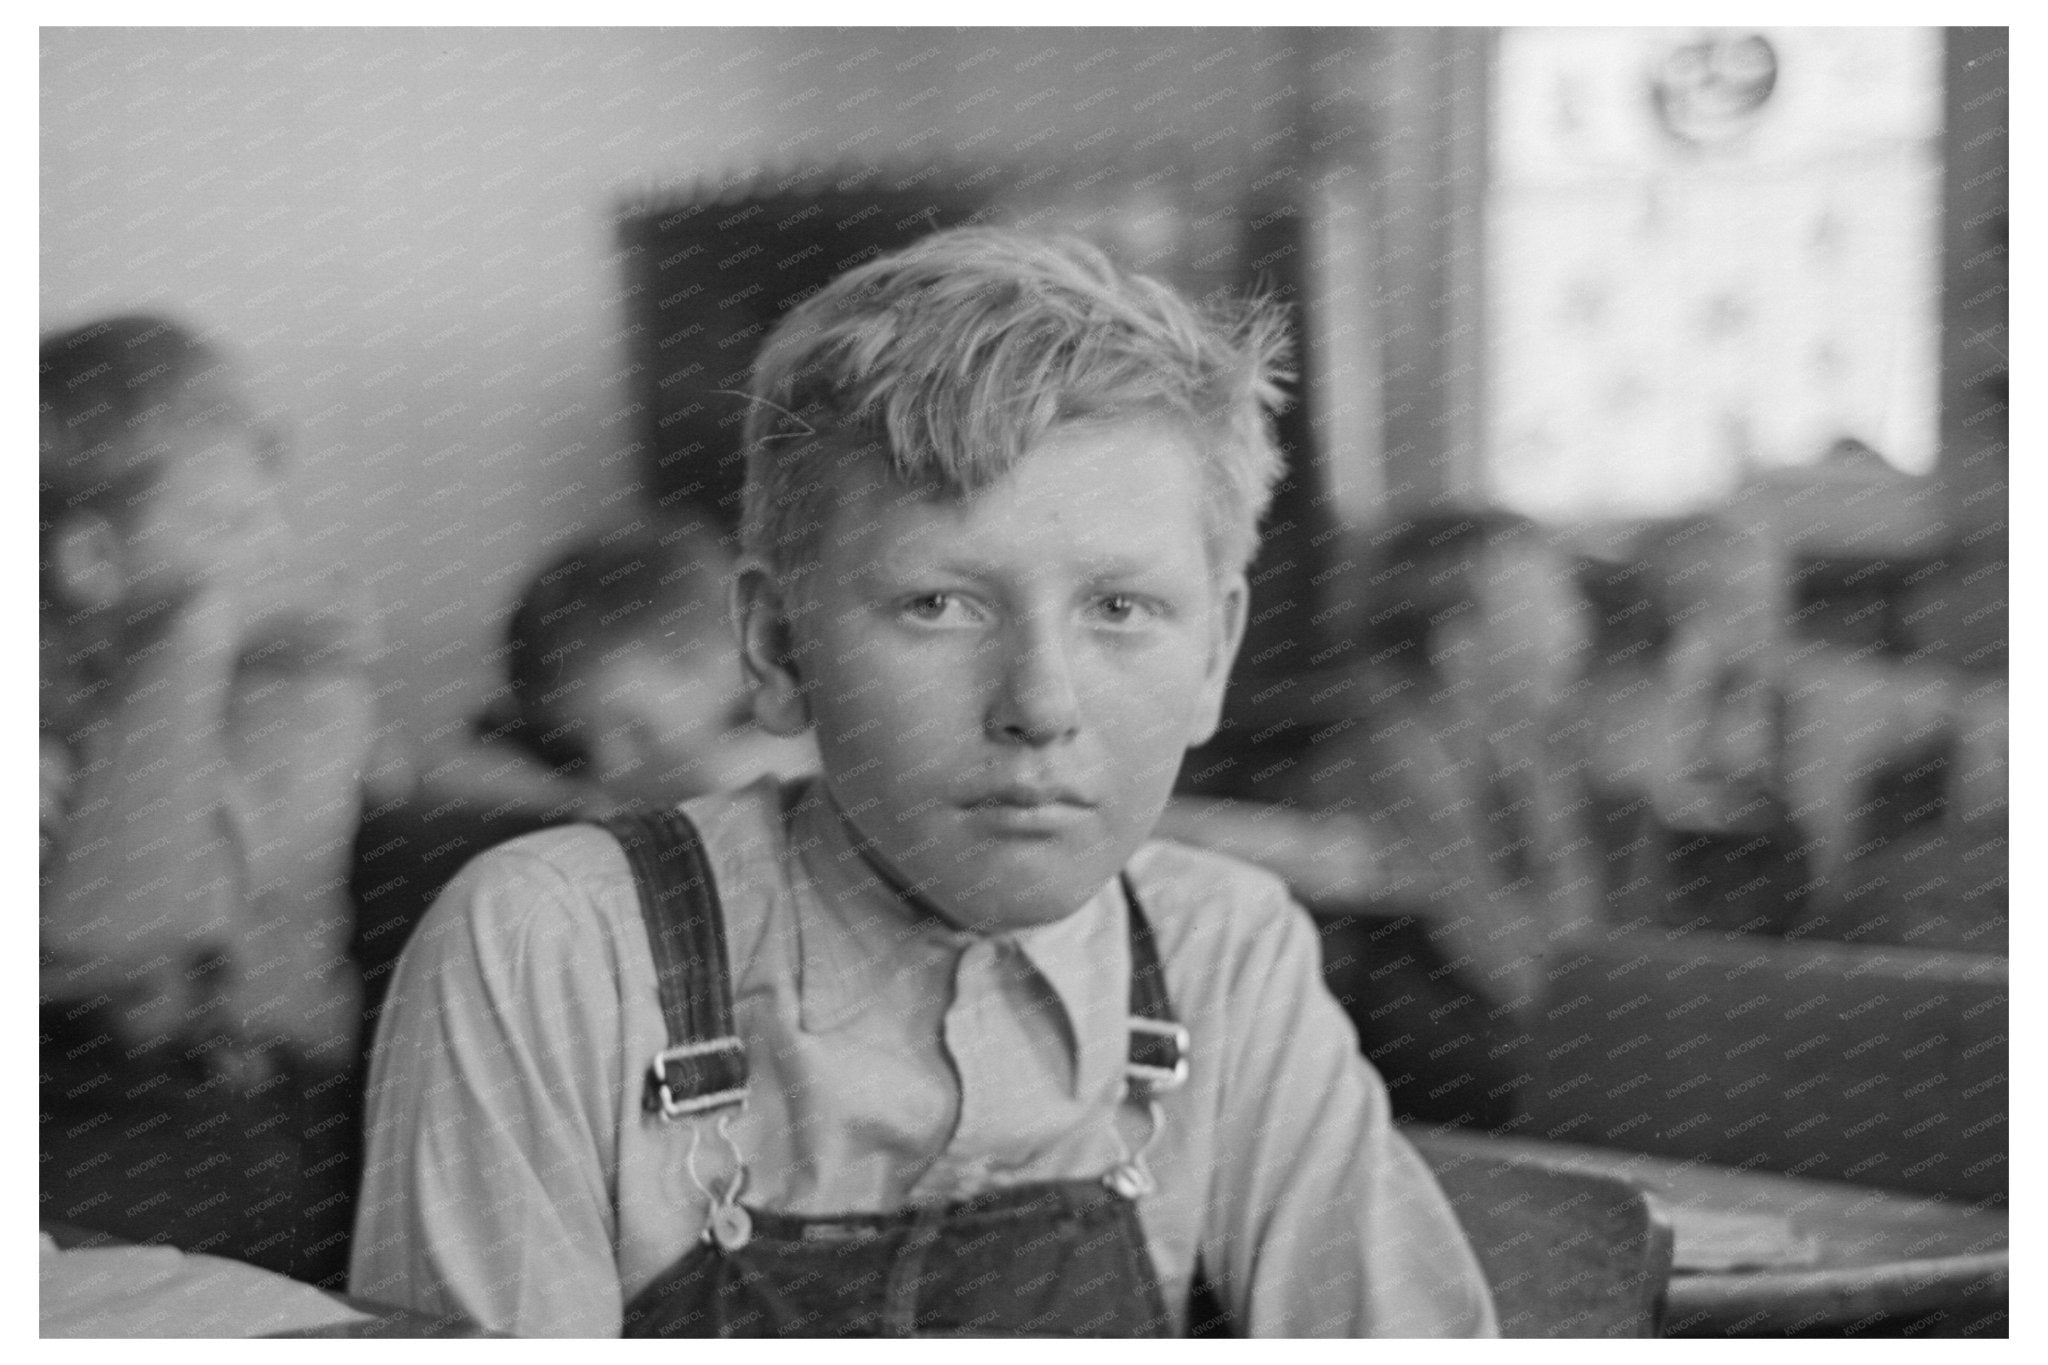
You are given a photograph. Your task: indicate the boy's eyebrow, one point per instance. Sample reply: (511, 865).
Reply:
(1125, 566)
(1110, 566)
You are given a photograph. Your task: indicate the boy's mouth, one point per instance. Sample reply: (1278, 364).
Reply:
(1029, 796)
(1030, 810)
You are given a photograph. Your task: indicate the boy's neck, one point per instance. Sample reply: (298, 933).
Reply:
(849, 857)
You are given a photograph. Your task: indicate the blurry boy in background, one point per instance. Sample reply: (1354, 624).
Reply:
(1686, 732)
(1772, 781)
(1431, 812)
(623, 680)
(202, 731)
(623, 688)
(1464, 762)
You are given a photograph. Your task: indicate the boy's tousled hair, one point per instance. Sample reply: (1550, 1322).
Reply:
(99, 384)
(948, 360)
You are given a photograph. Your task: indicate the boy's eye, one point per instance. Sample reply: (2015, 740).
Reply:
(1117, 607)
(941, 607)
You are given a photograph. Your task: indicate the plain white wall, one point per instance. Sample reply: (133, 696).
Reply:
(407, 237)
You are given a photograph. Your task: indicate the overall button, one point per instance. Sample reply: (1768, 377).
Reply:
(731, 1227)
(1130, 1180)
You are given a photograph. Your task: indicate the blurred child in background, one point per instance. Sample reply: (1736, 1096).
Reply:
(624, 678)
(622, 688)
(1686, 724)
(202, 727)
(1431, 814)
(1464, 760)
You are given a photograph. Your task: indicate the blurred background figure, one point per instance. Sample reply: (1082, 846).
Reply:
(1685, 720)
(1462, 757)
(623, 674)
(1434, 816)
(204, 717)
(1766, 758)
(622, 688)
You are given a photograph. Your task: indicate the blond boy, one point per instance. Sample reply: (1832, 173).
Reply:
(941, 1042)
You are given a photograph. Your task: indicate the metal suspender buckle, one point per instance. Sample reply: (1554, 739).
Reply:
(712, 1075)
(1158, 1059)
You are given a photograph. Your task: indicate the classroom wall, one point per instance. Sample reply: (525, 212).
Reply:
(406, 236)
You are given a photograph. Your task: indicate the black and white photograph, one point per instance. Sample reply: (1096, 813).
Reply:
(800, 682)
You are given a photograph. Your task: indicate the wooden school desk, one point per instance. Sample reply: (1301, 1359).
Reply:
(1760, 1254)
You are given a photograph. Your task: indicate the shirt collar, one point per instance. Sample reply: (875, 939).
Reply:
(1086, 959)
(857, 937)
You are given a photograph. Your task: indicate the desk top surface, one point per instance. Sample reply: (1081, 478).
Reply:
(1761, 1251)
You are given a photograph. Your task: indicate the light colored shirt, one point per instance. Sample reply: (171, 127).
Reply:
(513, 1176)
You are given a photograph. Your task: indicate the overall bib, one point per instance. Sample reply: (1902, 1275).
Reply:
(1059, 1258)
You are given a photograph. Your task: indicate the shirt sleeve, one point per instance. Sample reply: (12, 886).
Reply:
(1327, 1223)
(492, 1112)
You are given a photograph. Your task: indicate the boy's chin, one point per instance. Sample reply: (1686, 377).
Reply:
(1008, 900)
(1033, 871)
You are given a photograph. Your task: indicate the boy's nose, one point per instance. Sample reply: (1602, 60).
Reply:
(1035, 698)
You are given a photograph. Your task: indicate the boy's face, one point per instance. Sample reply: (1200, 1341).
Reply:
(1003, 688)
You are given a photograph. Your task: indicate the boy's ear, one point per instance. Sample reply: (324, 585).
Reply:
(767, 652)
(1231, 609)
(86, 559)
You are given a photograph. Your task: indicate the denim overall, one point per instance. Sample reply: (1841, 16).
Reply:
(1058, 1258)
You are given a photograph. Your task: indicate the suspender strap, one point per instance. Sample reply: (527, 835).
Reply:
(1158, 1057)
(704, 1065)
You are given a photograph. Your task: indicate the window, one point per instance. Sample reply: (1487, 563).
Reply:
(1708, 253)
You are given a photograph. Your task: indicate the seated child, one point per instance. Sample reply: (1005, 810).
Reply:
(623, 683)
(940, 1042)
(1445, 753)
(201, 731)
(622, 689)
(1685, 740)
(1467, 755)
